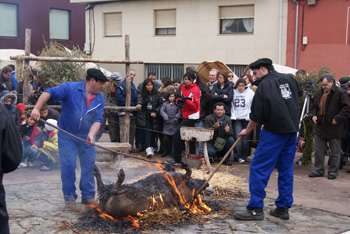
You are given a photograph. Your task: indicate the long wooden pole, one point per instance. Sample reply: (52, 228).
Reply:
(84, 60)
(26, 92)
(128, 91)
(106, 108)
(191, 200)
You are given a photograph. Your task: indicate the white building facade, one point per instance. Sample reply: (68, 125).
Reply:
(169, 35)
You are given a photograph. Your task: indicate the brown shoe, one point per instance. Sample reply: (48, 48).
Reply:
(134, 151)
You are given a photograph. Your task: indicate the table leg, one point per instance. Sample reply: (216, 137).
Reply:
(206, 157)
(187, 146)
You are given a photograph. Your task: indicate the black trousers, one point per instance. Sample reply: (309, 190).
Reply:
(178, 144)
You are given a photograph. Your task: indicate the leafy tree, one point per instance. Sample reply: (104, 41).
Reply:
(58, 73)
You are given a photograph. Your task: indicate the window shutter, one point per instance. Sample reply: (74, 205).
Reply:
(165, 18)
(113, 24)
(236, 12)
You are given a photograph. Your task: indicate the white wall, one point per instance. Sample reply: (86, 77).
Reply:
(197, 33)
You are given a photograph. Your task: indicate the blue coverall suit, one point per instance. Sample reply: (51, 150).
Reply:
(77, 119)
(276, 105)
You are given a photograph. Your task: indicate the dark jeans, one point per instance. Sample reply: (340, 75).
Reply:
(242, 148)
(178, 144)
(46, 160)
(212, 152)
(150, 135)
(140, 139)
(167, 143)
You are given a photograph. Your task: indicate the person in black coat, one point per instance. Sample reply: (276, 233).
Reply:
(11, 156)
(222, 91)
(150, 102)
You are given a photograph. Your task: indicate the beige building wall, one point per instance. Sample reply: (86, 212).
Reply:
(197, 36)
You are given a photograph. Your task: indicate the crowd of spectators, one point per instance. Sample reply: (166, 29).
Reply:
(164, 106)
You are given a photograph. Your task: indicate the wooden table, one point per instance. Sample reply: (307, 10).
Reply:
(198, 134)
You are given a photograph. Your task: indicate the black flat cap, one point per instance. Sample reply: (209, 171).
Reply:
(97, 74)
(260, 62)
(344, 79)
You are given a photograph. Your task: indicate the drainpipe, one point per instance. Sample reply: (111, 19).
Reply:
(280, 34)
(296, 33)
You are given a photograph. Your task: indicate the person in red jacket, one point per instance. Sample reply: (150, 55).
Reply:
(190, 112)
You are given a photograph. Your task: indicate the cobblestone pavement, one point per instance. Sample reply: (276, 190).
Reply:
(35, 205)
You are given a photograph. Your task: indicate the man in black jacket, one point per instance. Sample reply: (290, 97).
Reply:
(11, 156)
(223, 129)
(332, 107)
(276, 106)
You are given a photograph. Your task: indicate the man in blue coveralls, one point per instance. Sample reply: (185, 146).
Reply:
(82, 109)
(276, 106)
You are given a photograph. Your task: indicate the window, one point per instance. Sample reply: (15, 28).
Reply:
(238, 69)
(165, 22)
(113, 24)
(162, 70)
(236, 19)
(8, 20)
(59, 24)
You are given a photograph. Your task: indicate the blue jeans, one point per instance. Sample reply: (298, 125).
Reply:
(274, 150)
(69, 149)
(242, 148)
(28, 152)
(212, 152)
(200, 124)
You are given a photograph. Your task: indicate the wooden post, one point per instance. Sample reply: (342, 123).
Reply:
(26, 67)
(128, 91)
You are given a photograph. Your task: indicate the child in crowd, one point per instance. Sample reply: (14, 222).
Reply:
(28, 134)
(150, 102)
(48, 153)
(171, 114)
(9, 100)
(177, 84)
(21, 107)
(242, 101)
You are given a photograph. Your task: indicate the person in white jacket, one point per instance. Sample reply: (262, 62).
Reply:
(242, 101)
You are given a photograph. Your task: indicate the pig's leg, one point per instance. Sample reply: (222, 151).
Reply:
(187, 168)
(121, 177)
(97, 173)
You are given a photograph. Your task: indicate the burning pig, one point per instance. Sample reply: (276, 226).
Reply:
(166, 188)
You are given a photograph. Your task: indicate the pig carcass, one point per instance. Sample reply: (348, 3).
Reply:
(121, 200)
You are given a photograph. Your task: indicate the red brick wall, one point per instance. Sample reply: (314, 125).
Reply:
(325, 27)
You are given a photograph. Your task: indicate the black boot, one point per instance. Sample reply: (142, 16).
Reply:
(164, 154)
(251, 214)
(280, 212)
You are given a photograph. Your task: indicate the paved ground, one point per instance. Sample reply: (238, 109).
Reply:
(35, 203)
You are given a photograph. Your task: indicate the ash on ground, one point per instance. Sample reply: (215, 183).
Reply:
(217, 199)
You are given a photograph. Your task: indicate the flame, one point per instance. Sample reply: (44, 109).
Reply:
(201, 209)
(157, 165)
(161, 198)
(134, 222)
(101, 213)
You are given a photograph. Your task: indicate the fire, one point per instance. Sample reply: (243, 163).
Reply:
(157, 165)
(101, 213)
(201, 209)
(134, 222)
